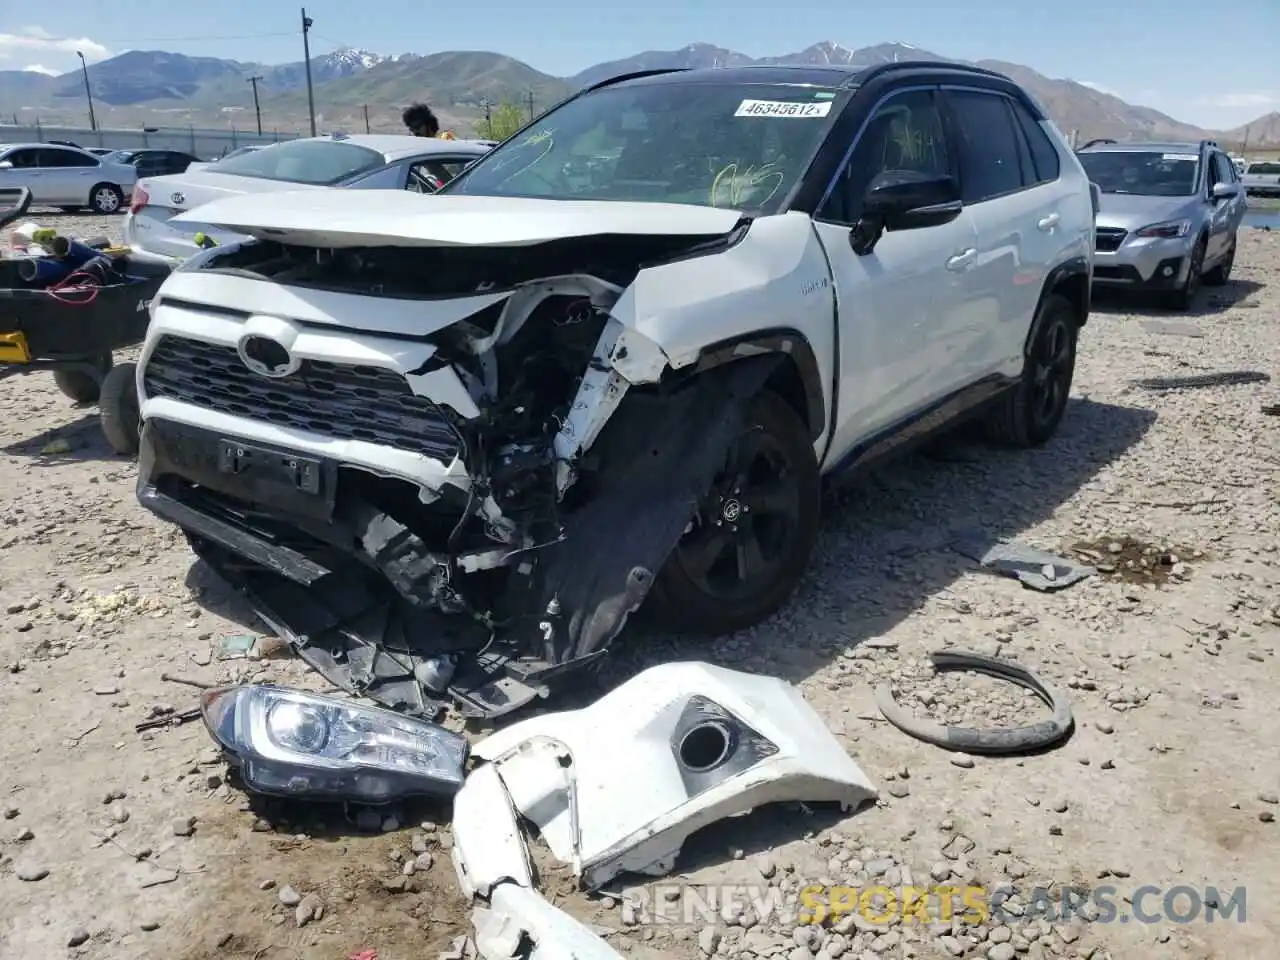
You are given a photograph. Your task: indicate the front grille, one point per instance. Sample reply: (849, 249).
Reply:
(1108, 239)
(330, 399)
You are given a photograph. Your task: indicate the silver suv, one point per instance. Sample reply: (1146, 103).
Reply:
(1168, 217)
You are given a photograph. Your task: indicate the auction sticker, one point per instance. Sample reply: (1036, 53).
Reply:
(782, 108)
(1180, 156)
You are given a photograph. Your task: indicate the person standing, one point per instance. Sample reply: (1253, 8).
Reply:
(422, 122)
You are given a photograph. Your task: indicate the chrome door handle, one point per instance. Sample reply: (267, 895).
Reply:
(1048, 223)
(962, 260)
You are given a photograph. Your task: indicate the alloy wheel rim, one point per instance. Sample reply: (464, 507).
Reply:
(742, 534)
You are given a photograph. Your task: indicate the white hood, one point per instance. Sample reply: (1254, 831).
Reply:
(357, 218)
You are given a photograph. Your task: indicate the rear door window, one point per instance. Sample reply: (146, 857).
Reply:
(990, 163)
(53, 157)
(1047, 165)
(319, 162)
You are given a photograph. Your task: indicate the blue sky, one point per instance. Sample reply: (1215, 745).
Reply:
(1213, 65)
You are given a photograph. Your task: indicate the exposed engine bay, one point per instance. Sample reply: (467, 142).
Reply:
(465, 528)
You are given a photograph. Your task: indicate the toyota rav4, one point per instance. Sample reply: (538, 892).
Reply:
(447, 444)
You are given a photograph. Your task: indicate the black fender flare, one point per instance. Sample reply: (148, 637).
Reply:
(790, 343)
(1075, 267)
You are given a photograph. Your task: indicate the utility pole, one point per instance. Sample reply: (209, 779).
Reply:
(488, 116)
(256, 108)
(88, 93)
(366, 119)
(530, 98)
(306, 53)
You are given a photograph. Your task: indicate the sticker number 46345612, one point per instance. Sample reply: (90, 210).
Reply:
(782, 108)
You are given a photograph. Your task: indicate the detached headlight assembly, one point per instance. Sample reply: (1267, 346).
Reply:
(1169, 230)
(293, 744)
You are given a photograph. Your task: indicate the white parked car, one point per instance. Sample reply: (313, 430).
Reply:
(1261, 178)
(66, 177)
(451, 442)
(361, 162)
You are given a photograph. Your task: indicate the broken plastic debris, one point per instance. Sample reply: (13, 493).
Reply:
(520, 925)
(706, 742)
(1031, 567)
(236, 646)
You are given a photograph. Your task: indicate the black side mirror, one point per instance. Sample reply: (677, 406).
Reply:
(904, 200)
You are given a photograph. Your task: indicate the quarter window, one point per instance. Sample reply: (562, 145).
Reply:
(988, 146)
(905, 133)
(1046, 163)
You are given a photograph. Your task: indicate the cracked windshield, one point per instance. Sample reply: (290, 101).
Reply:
(741, 146)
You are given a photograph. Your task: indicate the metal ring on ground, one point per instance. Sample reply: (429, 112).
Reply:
(994, 741)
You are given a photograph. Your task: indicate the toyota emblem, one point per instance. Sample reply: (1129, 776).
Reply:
(267, 357)
(178, 198)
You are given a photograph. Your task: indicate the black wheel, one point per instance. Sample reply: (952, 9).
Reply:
(81, 385)
(118, 409)
(750, 540)
(1184, 296)
(106, 198)
(1220, 274)
(1029, 414)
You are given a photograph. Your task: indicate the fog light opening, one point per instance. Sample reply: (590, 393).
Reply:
(705, 747)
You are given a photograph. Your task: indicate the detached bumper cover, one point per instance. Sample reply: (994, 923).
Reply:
(618, 786)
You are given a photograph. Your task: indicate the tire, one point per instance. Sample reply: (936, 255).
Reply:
(106, 198)
(773, 469)
(80, 385)
(1030, 413)
(1182, 298)
(1220, 274)
(118, 409)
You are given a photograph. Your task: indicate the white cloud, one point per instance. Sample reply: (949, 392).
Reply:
(35, 40)
(1243, 99)
(41, 68)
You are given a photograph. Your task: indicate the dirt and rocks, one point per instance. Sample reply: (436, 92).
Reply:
(119, 844)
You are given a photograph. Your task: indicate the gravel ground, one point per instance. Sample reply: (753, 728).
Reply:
(115, 844)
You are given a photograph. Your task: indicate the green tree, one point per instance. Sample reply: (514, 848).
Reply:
(503, 120)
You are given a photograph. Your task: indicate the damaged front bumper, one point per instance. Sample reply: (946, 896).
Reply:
(412, 546)
(620, 785)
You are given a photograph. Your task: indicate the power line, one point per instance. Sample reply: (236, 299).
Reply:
(137, 40)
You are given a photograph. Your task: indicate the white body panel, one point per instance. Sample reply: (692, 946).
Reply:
(621, 802)
(338, 218)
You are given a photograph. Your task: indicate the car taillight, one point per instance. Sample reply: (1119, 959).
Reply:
(140, 199)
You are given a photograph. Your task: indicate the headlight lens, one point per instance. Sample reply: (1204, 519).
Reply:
(291, 743)
(1168, 230)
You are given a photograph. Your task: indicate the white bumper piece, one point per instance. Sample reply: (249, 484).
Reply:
(618, 786)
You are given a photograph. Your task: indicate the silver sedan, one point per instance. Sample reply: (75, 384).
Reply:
(66, 177)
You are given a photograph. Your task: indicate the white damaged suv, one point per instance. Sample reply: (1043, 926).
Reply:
(447, 443)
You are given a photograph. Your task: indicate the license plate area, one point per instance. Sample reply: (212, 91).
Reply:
(302, 474)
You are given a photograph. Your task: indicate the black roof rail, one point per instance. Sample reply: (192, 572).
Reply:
(633, 75)
(880, 69)
(1209, 143)
(1094, 143)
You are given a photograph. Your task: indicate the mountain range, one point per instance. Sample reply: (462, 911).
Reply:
(163, 89)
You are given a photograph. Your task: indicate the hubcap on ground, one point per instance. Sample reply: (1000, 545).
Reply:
(740, 537)
(1052, 370)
